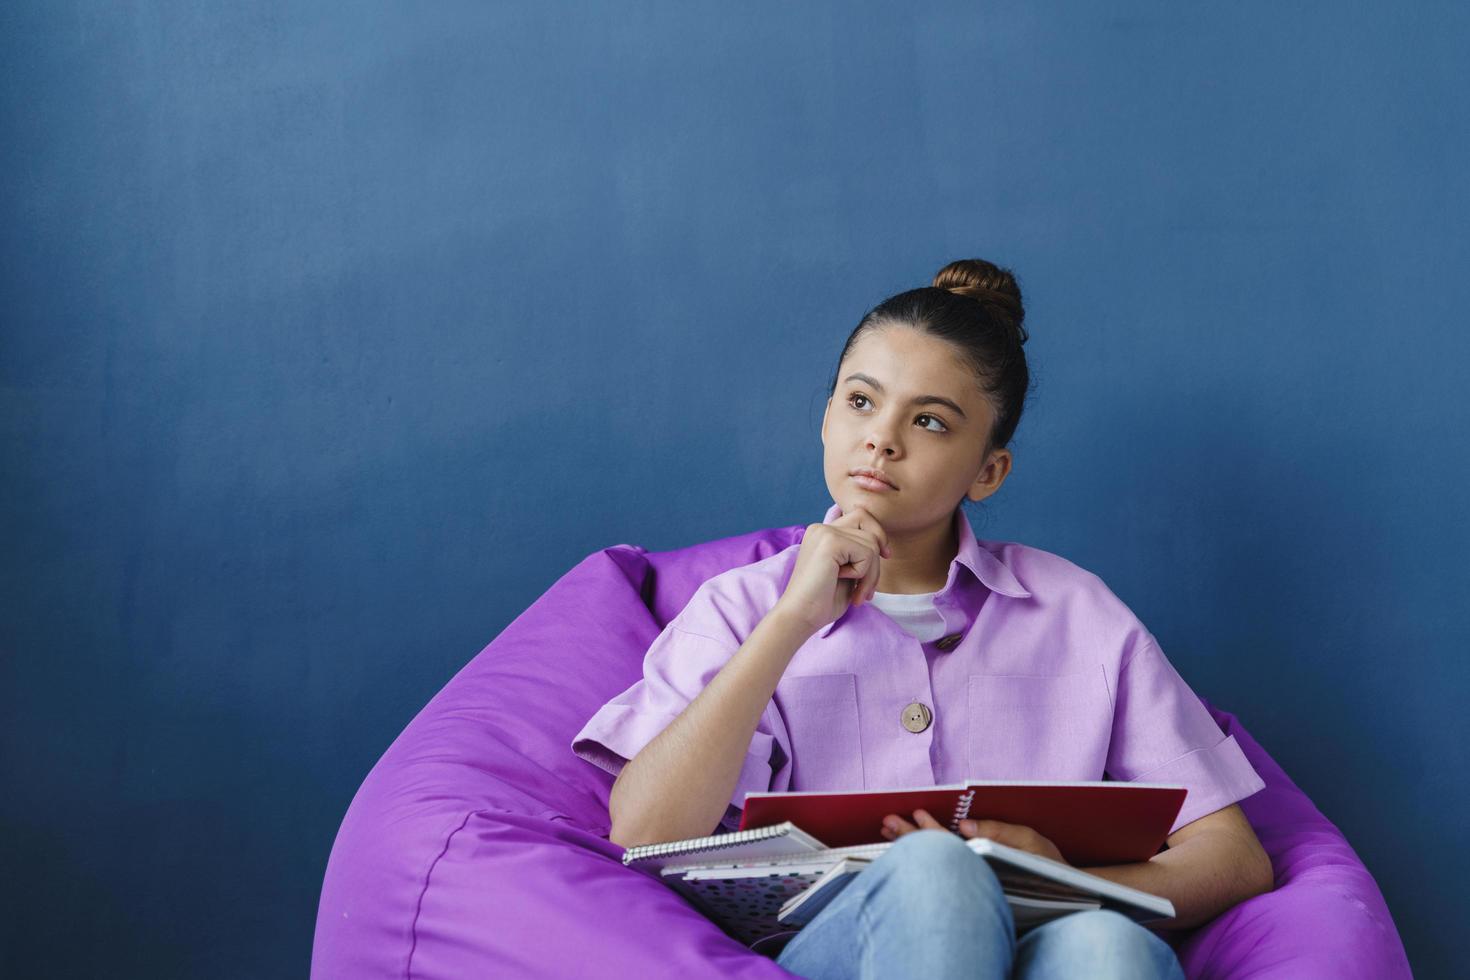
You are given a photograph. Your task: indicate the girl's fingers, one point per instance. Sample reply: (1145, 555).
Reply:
(926, 821)
(865, 582)
(862, 565)
(895, 826)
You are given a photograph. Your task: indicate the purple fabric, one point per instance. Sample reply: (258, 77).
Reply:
(1326, 916)
(477, 845)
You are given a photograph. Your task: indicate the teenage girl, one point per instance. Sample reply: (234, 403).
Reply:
(889, 647)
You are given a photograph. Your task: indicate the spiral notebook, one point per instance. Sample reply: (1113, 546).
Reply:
(1093, 823)
(742, 845)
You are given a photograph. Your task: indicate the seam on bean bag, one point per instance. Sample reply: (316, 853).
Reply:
(547, 814)
(418, 905)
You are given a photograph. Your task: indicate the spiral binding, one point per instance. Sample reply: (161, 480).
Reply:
(700, 845)
(962, 809)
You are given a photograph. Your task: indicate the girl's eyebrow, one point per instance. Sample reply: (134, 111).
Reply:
(921, 400)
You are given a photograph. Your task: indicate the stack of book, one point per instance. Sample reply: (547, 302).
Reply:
(795, 852)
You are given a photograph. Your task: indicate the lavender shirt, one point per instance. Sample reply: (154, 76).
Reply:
(1044, 674)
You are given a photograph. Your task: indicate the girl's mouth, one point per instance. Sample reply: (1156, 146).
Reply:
(868, 483)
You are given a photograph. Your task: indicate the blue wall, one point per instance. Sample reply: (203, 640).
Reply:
(332, 337)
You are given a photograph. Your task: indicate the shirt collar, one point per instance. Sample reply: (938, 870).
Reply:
(989, 570)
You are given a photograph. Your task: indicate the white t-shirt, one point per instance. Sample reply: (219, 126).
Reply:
(916, 613)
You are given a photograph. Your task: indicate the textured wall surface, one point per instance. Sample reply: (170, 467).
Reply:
(331, 335)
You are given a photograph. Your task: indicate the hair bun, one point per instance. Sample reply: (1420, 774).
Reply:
(988, 283)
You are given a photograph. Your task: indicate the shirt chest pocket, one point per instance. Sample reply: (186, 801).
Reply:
(821, 715)
(1054, 727)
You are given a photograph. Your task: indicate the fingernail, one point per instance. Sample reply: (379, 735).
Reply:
(890, 824)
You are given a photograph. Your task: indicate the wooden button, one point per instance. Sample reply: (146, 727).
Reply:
(916, 716)
(947, 642)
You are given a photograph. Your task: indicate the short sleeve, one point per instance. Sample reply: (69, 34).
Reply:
(678, 665)
(1163, 733)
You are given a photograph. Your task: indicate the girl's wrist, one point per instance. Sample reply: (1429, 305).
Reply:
(790, 624)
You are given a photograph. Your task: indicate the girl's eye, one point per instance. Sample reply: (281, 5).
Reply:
(942, 426)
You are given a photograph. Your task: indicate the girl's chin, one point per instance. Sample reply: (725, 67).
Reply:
(869, 501)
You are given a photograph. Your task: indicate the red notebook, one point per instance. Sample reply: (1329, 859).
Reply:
(1092, 823)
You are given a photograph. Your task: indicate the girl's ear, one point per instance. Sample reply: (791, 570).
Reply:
(997, 467)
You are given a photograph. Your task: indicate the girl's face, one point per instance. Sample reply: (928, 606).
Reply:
(906, 405)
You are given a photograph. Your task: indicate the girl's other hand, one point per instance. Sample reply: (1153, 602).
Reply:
(1010, 834)
(836, 566)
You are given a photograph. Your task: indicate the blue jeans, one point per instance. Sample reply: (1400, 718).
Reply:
(931, 907)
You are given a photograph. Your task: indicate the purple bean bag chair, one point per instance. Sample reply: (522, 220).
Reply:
(477, 846)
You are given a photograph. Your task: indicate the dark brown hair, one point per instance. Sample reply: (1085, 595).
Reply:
(975, 305)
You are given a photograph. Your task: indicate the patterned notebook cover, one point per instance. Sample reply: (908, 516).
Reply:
(745, 902)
